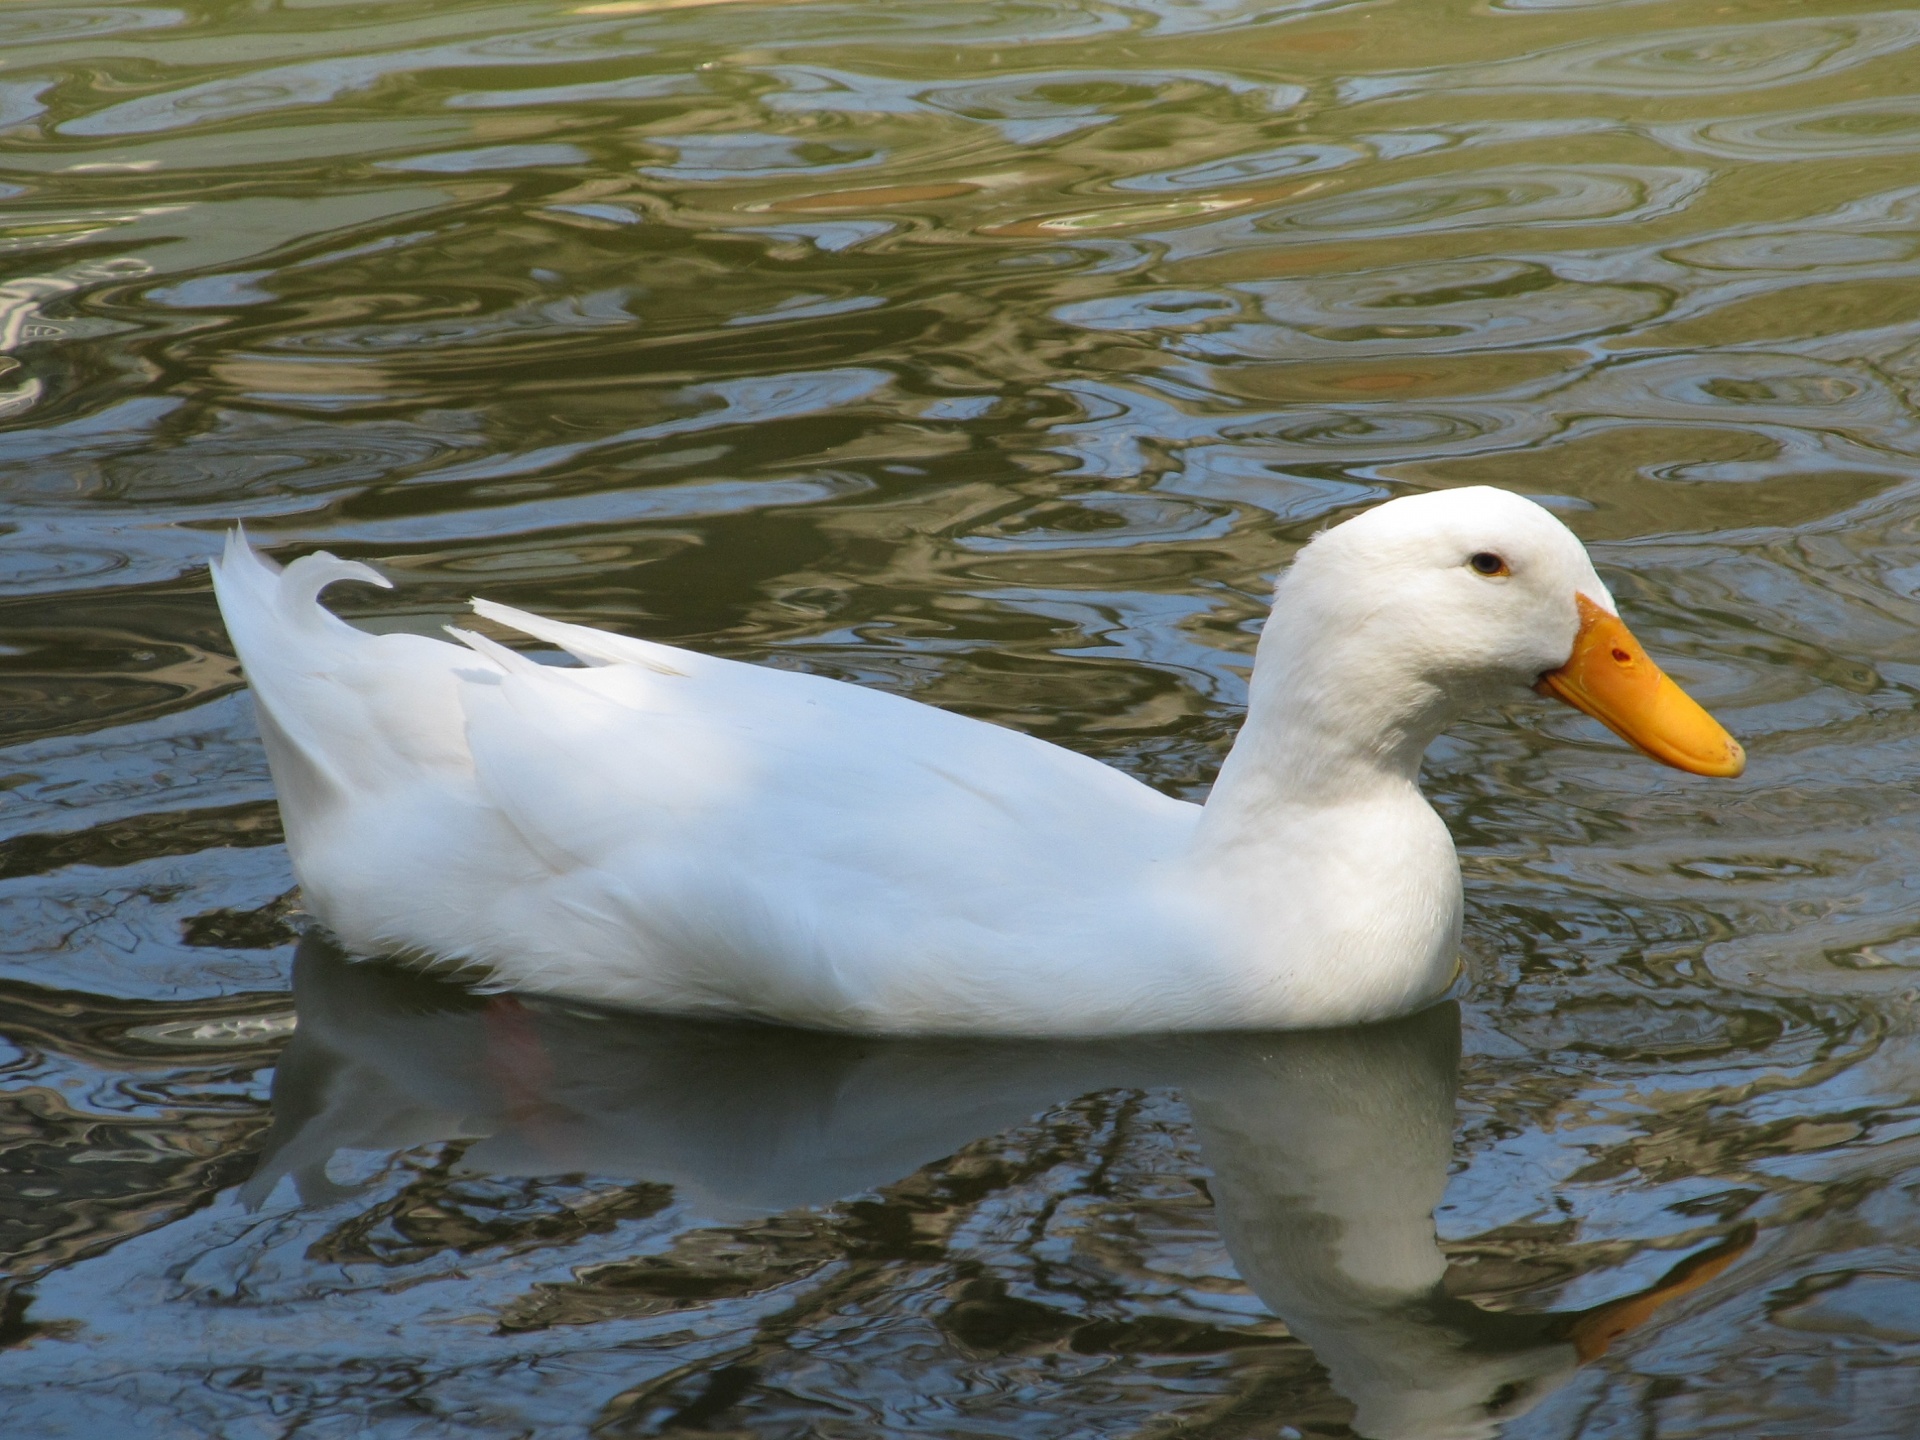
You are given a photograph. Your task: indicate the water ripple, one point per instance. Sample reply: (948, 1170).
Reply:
(44, 26)
(999, 353)
(1427, 309)
(1859, 129)
(1686, 61)
(1497, 196)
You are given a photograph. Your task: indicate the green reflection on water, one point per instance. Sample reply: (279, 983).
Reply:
(996, 354)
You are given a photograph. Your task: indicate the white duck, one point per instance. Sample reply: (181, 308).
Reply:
(668, 830)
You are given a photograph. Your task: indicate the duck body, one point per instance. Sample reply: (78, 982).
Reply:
(664, 830)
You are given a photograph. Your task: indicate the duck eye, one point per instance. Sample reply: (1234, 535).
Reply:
(1488, 563)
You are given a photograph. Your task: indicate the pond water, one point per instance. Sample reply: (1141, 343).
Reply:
(998, 353)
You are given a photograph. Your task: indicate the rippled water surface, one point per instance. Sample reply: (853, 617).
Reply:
(998, 354)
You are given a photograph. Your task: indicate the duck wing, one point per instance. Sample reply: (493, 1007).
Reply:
(735, 837)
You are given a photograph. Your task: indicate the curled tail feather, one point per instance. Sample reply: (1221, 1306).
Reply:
(296, 655)
(246, 581)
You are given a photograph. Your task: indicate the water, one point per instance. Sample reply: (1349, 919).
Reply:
(997, 354)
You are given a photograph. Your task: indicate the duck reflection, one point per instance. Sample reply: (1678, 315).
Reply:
(1329, 1150)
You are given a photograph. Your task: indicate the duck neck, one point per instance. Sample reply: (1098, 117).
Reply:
(1336, 715)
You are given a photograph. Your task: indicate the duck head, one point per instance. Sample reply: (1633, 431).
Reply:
(1436, 604)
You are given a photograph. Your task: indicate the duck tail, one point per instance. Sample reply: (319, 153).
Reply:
(288, 644)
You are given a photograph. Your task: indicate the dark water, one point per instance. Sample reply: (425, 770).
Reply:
(995, 353)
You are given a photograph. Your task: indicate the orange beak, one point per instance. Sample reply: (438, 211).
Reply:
(1611, 678)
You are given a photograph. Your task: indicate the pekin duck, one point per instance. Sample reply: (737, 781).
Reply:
(666, 830)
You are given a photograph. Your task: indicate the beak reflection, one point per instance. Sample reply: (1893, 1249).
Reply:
(1611, 677)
